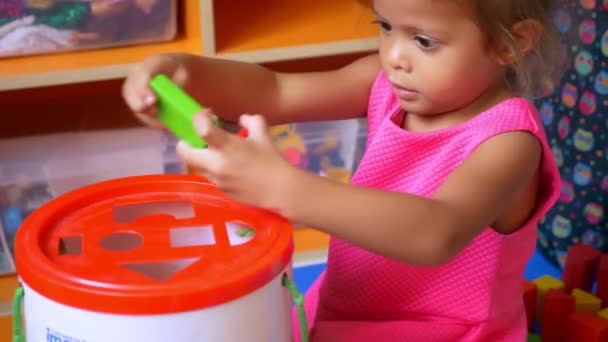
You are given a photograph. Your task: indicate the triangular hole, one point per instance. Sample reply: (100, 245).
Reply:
(239, 233)
(162, 270)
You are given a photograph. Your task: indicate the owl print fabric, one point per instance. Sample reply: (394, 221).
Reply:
(575, 116)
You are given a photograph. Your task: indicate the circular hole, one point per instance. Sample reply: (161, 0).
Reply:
(121, 241)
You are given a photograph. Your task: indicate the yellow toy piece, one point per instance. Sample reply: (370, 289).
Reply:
(586, 301)
(603, 314)
(318, 154)
(544, 284)
(289, 143)
(339, 174)
(330, 142)
(284, 136)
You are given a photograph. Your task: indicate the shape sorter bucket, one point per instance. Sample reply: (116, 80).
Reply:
(154, 258)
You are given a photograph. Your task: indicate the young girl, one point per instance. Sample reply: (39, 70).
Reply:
(431, 239)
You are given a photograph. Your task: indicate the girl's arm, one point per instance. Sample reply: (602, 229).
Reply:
(414, 229)
(232, 88)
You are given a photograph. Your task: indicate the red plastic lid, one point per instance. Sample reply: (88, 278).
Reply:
(150, 245)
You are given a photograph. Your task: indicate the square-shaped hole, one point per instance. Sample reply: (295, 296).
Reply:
(192, 236)
(70, 245)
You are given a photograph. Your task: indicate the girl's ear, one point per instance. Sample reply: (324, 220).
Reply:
(524, 35)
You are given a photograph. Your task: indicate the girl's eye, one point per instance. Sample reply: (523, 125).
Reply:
(425, 43)
(384, 26)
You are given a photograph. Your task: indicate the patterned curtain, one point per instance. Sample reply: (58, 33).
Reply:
(575, 116)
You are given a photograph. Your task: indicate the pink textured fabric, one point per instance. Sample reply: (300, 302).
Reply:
(475, 297)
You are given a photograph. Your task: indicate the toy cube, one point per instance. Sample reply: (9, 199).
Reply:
(530, 295)
(544, 284)
(585, 301)
(602, 280)
(557, 308)
(581, 266)
(584, 326)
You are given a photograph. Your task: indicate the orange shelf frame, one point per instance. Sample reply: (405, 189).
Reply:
(269, 24)
(8, 285)
(308, 239)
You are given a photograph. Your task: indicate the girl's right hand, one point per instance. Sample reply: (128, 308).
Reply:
(136, 89)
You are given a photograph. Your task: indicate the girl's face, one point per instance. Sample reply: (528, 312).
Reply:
(435, 55)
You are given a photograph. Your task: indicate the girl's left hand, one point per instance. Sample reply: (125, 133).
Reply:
(250, 170)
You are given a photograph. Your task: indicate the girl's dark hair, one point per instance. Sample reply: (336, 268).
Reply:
(532, 72)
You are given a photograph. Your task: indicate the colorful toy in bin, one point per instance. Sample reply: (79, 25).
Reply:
(290, 144)
(6, 259)
(154, 258)
(567, 309)
(319, 156)
(16, 203)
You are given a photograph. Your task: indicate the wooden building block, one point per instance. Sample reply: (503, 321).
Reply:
(530, 295)
(583, 326)
(586, 301)
(603, 314)
(557, 309)
(581, 266)
(602, 280)
(544, 284)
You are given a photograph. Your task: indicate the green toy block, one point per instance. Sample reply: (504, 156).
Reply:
(176, 109)
(534, 338)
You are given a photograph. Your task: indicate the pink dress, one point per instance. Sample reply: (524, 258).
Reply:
(477, 296)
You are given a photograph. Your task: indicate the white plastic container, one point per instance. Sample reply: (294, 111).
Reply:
(154, 258)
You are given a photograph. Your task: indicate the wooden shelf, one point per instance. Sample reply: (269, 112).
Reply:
(260, 32)
(100, 64)
(304, 51)
(275, 30)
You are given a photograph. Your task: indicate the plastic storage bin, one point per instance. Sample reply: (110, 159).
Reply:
(35, 169)
(331, 148)
(30, 27)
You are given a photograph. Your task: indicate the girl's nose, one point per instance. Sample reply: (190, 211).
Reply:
(399, 58)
